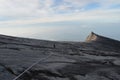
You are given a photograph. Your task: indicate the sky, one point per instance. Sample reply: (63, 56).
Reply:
(60, 20)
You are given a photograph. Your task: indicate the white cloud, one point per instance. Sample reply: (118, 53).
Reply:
(103, 4)
(25, 7)
(43, 11)
(48, 3)
(85, 2)
(89, 16)
(40, 8)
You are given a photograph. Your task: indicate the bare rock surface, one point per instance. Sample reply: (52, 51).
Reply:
(98, 58)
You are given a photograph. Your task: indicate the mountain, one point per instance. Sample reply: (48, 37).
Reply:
(97, 58)
(101, 39)
(103, 43)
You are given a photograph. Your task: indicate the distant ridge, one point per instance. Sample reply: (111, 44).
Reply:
(102, 42)
(93, 37)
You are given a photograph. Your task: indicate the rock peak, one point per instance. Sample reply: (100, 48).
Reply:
(92, 33)
(91, 37)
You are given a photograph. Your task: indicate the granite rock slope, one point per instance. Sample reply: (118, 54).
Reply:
(97, 58)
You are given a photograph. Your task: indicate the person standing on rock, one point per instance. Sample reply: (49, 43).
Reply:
(54, 46)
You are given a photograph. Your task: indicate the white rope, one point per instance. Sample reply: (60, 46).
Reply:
(32, 66)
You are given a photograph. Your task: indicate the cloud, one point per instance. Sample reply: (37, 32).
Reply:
(25, 8)
(94, 16)
(20, 12)
(85, 2)
(40, 8)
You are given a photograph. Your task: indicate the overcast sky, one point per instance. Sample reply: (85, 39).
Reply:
(62, 20)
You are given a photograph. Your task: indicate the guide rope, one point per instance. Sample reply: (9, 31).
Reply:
(32, 66)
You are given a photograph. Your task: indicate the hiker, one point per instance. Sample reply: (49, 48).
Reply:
(54, 46)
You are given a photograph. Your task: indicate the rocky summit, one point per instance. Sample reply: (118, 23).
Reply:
(98, 58)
